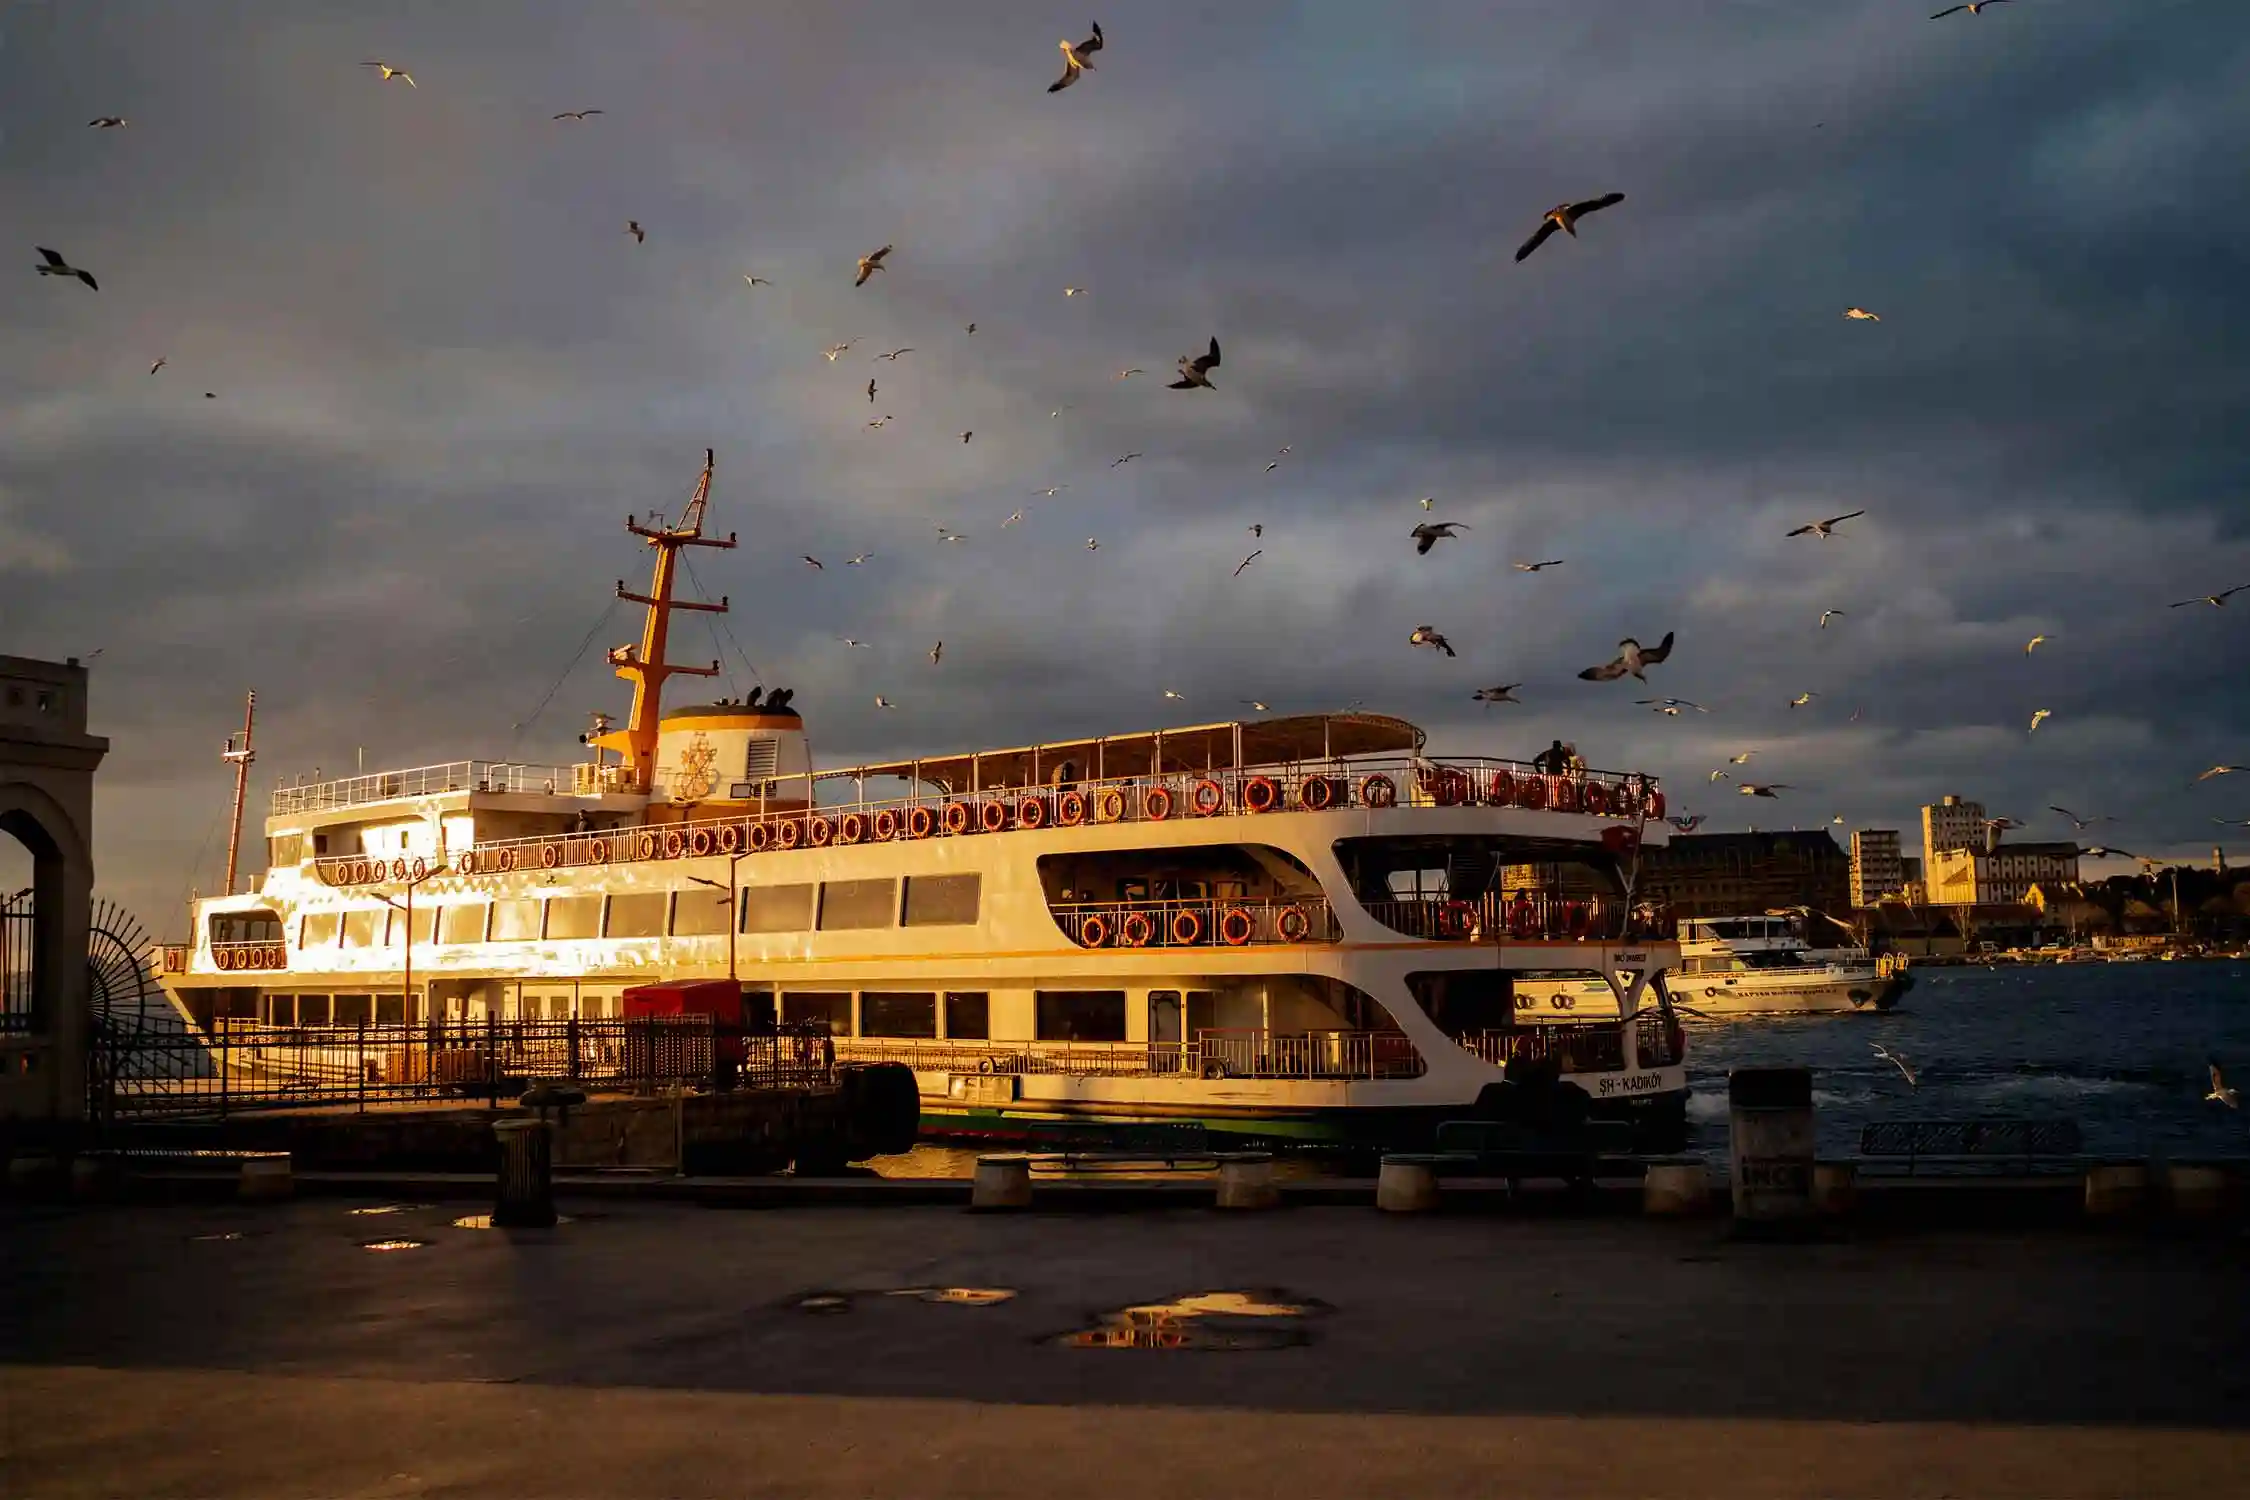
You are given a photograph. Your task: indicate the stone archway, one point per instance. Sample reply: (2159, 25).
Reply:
(47, 764)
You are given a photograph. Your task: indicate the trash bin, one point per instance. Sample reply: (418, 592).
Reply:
(526, 1198)
(1770, 1154)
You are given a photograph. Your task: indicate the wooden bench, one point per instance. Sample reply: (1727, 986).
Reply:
(1514, 1152)
(2026, 1146)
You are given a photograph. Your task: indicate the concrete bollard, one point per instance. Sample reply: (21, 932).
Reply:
(1406, 1185)
(1247, 1182)
(2195, 1192)
(1835, 1188)
(265, 1179)
(2116, 1189)
(1002, 1182)
(1770, 1145)
(1675, 1189)
(34, 1175)
(93, 1178)
(525, 1191)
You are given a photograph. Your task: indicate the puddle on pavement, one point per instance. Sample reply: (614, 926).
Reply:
(824, 1302)
(388, 1208)
(1244, 1320)
(484, 1221)
(947, 1296)
(385, 1245)
(232, 1234)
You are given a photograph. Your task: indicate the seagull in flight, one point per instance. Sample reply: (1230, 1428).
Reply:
(1092, 545)
(1763, 788)
(835, 349)
(160, 364)
(1829, 614)
(1176, 697)
(755, 280)
(853, 562)
(881, 421)
(1195, 369)
(1428, 501)
(1129, 374)
(1897, 1062)
(2033, 644)
(969, 434)
(1004, 525)
(1427, 535)
(1051, 490)
(577, 114)
(1802, 699)
(1279, 455)
(1670, 705)
(1074, 291)
(816, 562)
(1823, 529)
(390, 73)
(895, 353)
(2217, 600)
(1254, 703)
(107, 122)
(1246, 562)
(1524, 567)
(871, 390)
(2220, 1092)
(1741, 760)
(1258, 528)
(1719, 776)
(1565, 217)
(2078, 824)
(972, 328)
(871, 263)
(57, 266)
(937, 653)
(847, 640)
(883, 702)
(2040, 716)
(1973, 7)
(1075, 59)
(1505, 693)
(1861, 315)
(1427, 635)
(2104, 851)
(1128, 458)
(1631, 657)
(633, 228)
(2221, 771)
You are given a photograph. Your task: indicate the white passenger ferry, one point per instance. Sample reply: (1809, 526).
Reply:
(1761, 966)
(1301, 929)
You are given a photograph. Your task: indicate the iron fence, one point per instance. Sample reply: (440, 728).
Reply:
(19, 996)
(247, 1066)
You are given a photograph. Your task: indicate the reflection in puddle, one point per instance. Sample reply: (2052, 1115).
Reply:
(232, 1234)
(956, 1296)
(1204, 1320)
(484, 1221)
(825, 1302)
(392, 1245)
(388, 1208)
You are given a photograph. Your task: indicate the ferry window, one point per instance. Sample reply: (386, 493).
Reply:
(312, 1010)
(1464, 1002)
(425, 926)
(854, 904)
(353, 1010)
(463, 923)
(700, 913)
(516, 920)
(639, 915)
(1081, 1016)
(832, 1008)
(884, 1013)
(777, 908)
(968, 1014)
(942, 900)
(320, 930)
(281, 1010)
(574, 917)
(361, 927)
(390, 1010)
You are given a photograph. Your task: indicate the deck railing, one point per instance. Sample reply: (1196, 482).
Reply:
(1524, 917)
(425, 781)
(1243, 922)
(1213, 1054)
(1594, 1048)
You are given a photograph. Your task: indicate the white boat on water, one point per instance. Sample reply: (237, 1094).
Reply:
(1762, 966)
(1303, 929)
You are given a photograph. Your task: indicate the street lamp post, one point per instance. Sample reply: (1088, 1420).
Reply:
(734, 900)
(435, 869)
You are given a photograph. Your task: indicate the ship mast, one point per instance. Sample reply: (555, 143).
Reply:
(238, 751)
(645, 666)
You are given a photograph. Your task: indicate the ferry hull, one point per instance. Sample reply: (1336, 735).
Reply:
(1844, 994)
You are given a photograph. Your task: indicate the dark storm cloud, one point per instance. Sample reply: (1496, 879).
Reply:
(445, 374)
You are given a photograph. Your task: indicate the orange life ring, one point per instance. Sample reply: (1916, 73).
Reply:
(1293, 925)
(1655, 803)
(819, 831)
(728, 839)
(1522, 920)
(699, 842)
(277, 957)
(597, 850)
(1236, 927)
(1208, 798)
(1379, 791)
(550, 855)
(466, 862)
(421, 868)
(645, 846)
(993, 816)
(956, 817)
(1597, 800)
(1031, 812)
(1567, 796)
(1109, 807)
(1531, 792)
(1156, 804)
(851, 828)
(1316, 793)
(886, 825)
(1187, 926)
(673, 843)
(1260, 794)
(398, 868)
(1501, 790)
(222, 958)
(1454, 919)
(506, 860)
(1093, 932)
(760, 837)
(1136, 929)
(1070, 809)
(790, 831)
(1443, 786)
(921, 823)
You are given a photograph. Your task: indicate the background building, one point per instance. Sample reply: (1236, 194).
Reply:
(1741, 874)
(1971, 877)
(1950, 824)
(1912, 887)
(1877, 870)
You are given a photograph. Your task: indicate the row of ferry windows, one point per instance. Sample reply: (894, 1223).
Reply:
(835, 906)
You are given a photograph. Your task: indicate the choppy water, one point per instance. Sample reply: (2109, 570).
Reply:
(2120, 1048)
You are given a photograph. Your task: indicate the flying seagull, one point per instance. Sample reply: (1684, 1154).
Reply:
(1505, 693)
(160, 364)
(808, 557)
(577, 114)
(1861, 315)
(1719, 776)
(1129, 374)
(1258, 528)
(1552, 562)
(1074, 291)
(2040, 716)
(881, 421)
(1565, 216)
(1050, 490)
(1195, 370)
(1075, 59)
(2103, 851)
(1177, 697)
(1004, 525)
(2078, 824)
(390, 73)
(2220, 1093)
(1254, 703)
(1763, 788)
(895, 353)
(937, 653)
(835, 349)
(1092, 545)
(1631, 657)
(1253, 557)
(1828, 614)
(870, 264)
(1427, 635)
(633, 228)
(1427, 535)
(1673, 704)
(1128, 458)
(1824, 528)
(1802, 699)
(107, 122)
(2219, 599)
(871, 390)
(883, 702)
(1741, 760)
(969, 434)
(57, 266)
(853, 562)
(2221, 771)
(1897, 1062)
(1973, 7)
(1668, 710)
(756, 280)
(847, 640)
(2032, 644)
(972, 328)
(1428, 501)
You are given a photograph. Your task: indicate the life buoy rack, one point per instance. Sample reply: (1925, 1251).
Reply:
(1500, 790)
(1031, 812)
(645, 846)
(700, 842)
(1070, 809)
(1531, 793)
(1379, 790)
(1454, 919)
(920, 823)
(1187, 927)
(1523, 920)
(1597, 800)
(1293, 925)
(957, 818)
(789, 833)
(728, 839)
(886, 825)
(466, 862)
(1093, 932)
(1156, 804)
(1109, 807)
(819, 832)
(550, 855)
(505, 860)
(1208, 798)
(673, 843)
(759, 838)
(1260, 794)
(1316, 793)
(1236, 927)
(597, 851)
(993, 815)
(851, 828)
(1135, 930)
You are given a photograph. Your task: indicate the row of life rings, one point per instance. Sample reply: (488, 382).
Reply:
(264, 956)
(1236, 927)
(368, 871)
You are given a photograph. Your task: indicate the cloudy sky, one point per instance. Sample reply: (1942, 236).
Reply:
(443, 374)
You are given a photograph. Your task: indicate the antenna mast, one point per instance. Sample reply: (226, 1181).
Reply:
(238, 750)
